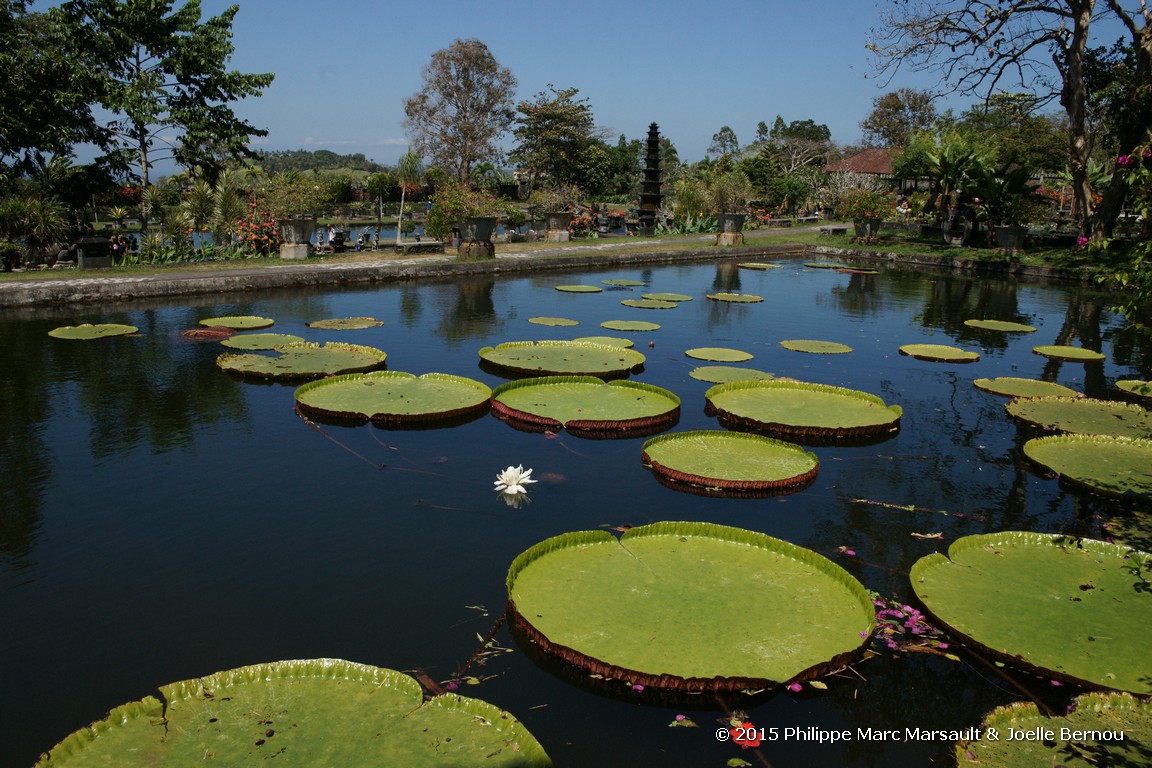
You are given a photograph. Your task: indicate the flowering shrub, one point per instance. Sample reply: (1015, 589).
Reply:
(857, 204)
(1136, 277)
(583, 224)
(258, 233)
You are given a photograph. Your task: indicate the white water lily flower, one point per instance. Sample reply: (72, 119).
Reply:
(513, 479)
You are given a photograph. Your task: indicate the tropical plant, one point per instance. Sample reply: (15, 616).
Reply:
(453, 203)
(728, 192)
(563, 197)
(1136, 276)
(408, 173)
(294, 193)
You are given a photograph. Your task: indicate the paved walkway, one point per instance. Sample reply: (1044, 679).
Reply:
(50, 287)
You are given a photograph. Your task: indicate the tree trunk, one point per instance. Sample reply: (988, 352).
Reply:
(1073, 97)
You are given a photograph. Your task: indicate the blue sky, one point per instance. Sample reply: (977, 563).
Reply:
(343, 69)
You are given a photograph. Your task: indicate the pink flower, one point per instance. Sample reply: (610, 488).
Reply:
(1081, 241)
(795, 687)
(1125, 160)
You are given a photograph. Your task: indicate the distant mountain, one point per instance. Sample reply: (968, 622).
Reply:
(314, 160)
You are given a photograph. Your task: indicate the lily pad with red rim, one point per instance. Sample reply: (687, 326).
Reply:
(562, 358)
(1011, 386)
(306, 360)
(1083, 415)
(1115, 466)
(587, 405)
(689, 606)
(721, 374)
(240, 322)
(939, 353)
(1135, 387)
(721, 461)
(579, 288)
(1068, 608)
(393, 397)
(803, 410)
(1071, 354)
(1004, 326)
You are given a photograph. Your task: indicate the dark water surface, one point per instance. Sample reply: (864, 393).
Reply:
(160, 520)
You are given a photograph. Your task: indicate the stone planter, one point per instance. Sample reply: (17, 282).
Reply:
(558, 222)
(1011, 238)
(730, 228)
(297, 232)
(476, 238)
(867, 227)
(94, 252)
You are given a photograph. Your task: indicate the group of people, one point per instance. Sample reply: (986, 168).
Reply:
(331, 240)
(120, 246)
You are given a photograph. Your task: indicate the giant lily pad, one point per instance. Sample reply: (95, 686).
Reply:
(240, 322)
(610, 341)
(759, 265)
(260, 341)
(579, 288)
(1073, 609)
(689, 606)
(393, 396)
(801, 409)
(318, 712)
(346, 323)
(1083, 415)
(553, 321)
(738, 298)
(1135, 387)
(88, 331)
(1072, 354)
(939, 353)
(629, 325)
(649, 304)
(826, 265)
(815, 347)
(721, 374)
(667, 296)
(1100, 728)
(1004, 326)
(719, 354)
(729, 461)
(1117, 466)
(585, 404)
(561, 358)
(305, 361)
(1011, 386)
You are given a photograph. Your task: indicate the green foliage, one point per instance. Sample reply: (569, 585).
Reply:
(858, 204)
(453, 203)
(277, 161)
(1005, 197)
(552, 133)
(294, 193)
(728, 192)
(897, 115)
(162, 79)
(1015, 135)
(1135, 279)
(724, 142)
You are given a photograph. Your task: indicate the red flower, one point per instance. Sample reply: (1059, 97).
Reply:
(747, 735)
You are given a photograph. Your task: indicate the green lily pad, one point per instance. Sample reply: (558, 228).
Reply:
(816, 347)
(667, 296)
(721, 374)
(649, 304)
(630, 325)
(760, 265)
(1101, 728)
(729, 461)
(624, 283)
(1083, 415)
(240, 322)
(306, 360)
(562, 358)
(939, 353)
(1073, 354)
(346, 323)
(610, 341)
(738, 298)
(719, 354)
(393, 396)
(88, 331)
(1072, 609)
(801, 409)
(1116, 466)
(689, 606)
(260, 341)
(585, 404)
(1010, 386)
(317, 712)
(1135, 387)
(579, 288)
(1004, 326)
(555, 321)
(826, 265)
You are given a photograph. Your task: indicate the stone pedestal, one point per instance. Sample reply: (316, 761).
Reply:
(558, 236)
(295, 250)
(729, 238)
(475, 249)
(94, 253)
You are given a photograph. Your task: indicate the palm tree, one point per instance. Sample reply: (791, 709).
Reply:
(408, 171)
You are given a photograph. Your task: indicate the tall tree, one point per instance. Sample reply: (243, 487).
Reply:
(724, 142)
(164, 81)
(464, 108)
(44, 104)
(896, 115)
(552, 132)
(798, 144)
(1017, 136)
(978, 47)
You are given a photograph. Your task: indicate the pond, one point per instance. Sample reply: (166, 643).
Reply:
(161, 520)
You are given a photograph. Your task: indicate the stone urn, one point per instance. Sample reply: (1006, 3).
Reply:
(558, 222)
(297, 232)
(730, 228)
(476, 238)
(867, 228)
(1010, 238)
